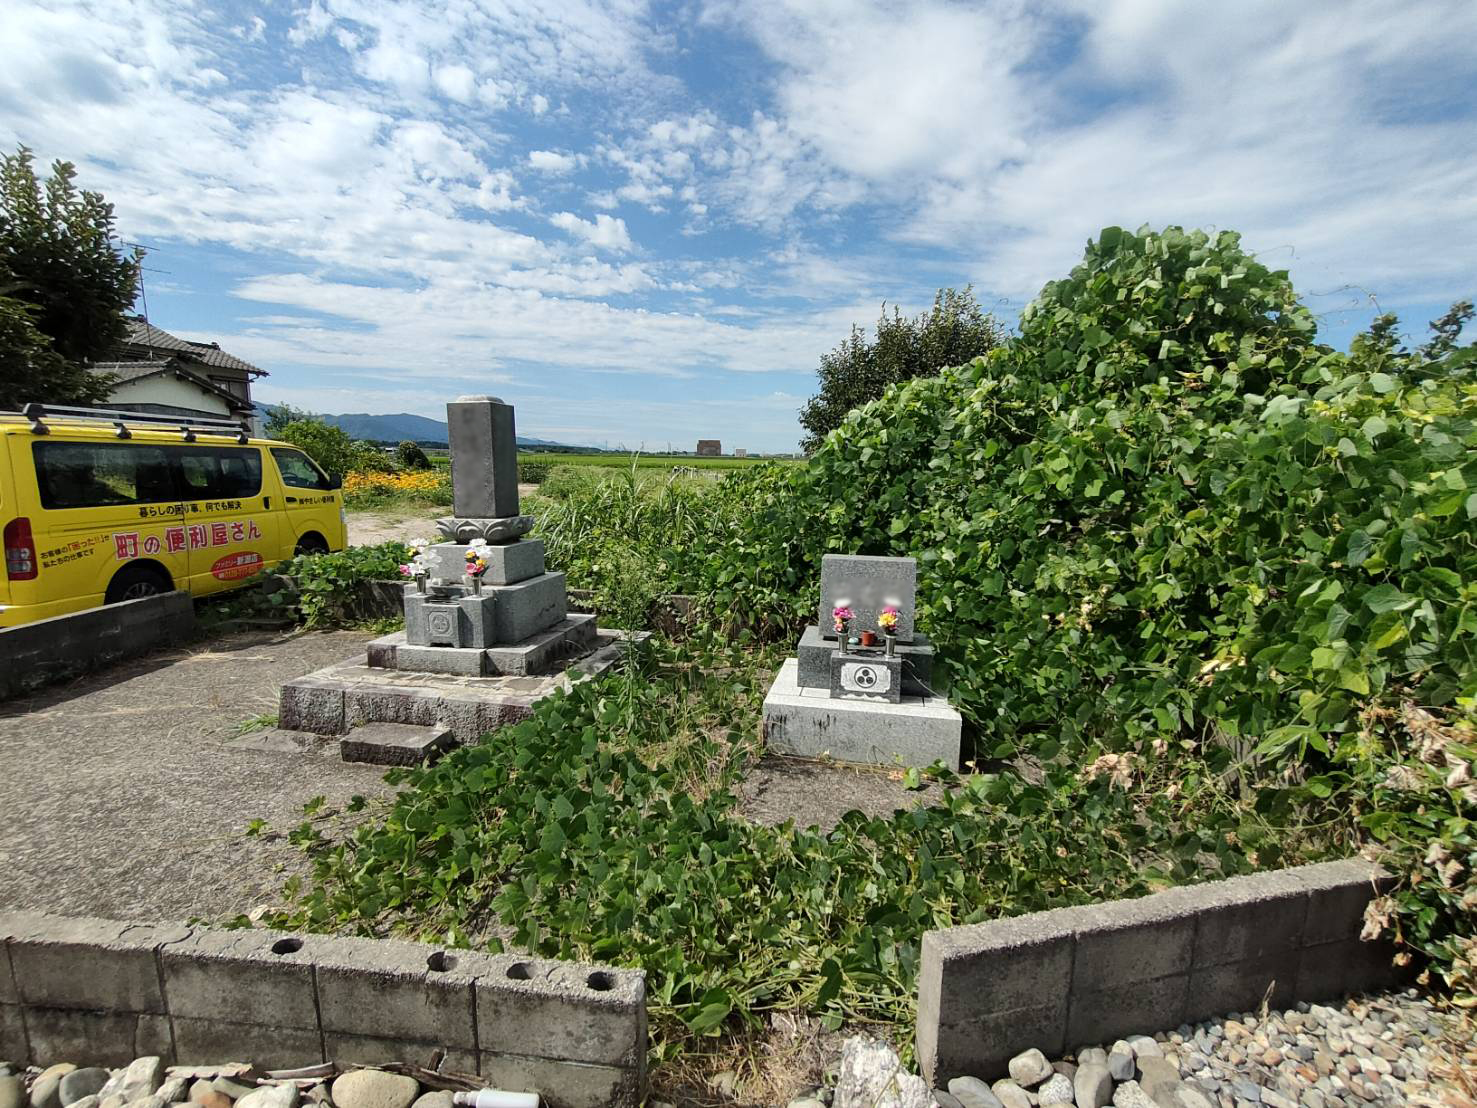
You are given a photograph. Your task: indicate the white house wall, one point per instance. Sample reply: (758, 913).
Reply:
(169, 390)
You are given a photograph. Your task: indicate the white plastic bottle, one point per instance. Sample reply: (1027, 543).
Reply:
(495, 1098)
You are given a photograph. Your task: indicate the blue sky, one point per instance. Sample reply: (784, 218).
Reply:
(644, 223)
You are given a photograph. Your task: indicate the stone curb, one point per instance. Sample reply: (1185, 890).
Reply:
(37, 654)
(1091, 974)
(104, 992)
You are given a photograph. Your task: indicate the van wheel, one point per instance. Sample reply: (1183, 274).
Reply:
(311, 543)
(136, 582)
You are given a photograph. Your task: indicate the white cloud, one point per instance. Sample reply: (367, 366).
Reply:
(604, 232)
(551, 161)
(457, 82)
(538, 103)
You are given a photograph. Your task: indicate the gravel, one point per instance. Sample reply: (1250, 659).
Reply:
(1369, 1051)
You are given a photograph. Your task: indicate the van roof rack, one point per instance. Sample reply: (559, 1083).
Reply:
(120, 419)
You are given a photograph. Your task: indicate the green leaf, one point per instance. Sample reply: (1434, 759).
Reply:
(1387, 598)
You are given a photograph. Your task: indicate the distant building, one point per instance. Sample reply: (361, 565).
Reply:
(740, 452)
(161, 373)
(709, 448)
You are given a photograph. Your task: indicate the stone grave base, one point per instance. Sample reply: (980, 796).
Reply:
(573, 636)
(336, 700)
(810, 723)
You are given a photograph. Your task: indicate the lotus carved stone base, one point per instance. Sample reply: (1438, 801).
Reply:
(505, 529)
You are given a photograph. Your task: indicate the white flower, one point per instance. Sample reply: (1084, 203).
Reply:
(478, 544)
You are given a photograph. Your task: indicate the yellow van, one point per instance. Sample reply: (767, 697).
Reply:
(100, 506)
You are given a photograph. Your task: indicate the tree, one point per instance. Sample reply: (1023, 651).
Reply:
(280, 415)
(858, 371)
(64, 286)
(329, 446)
(411, 456)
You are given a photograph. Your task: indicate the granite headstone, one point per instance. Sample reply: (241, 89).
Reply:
(866, 584)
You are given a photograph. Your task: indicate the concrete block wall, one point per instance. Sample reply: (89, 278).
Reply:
(36, 654)
(103, 992)
(1082, 976)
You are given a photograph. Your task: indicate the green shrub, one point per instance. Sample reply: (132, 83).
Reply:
(329, 584)
(411, 456)
(533, 473)
(1164, 513)
(329, 446)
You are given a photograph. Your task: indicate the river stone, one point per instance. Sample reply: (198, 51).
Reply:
(1057, 1089)
(1157, 1076)
(81, 1083)
(1145, 1047)
(940, 1098)
(1011, 1095)
(141, 1079)
(1120, 1065)
(1187, 1096)
(88, 1102)
(1093, 1085)
(173, 1090)
(871, 1074)
(46, 1090)
(1092, 1054)
(374, 1089)
(1131, 1095)
(282, 1096)
(435, 1099)
(1029, 1067)
(973, 1093)
(12, 1091)
(206, 1095)
(233, 1089)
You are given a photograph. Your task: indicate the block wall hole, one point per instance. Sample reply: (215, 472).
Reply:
(440, 962)
(520, 971)
(287, 946)
(600, 982)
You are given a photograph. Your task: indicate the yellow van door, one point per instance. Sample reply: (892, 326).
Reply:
(312, 501)
(109, 524)
(233, 527)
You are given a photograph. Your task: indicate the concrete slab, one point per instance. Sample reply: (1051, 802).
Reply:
(917, 732)
(468, 706)
(395, 744)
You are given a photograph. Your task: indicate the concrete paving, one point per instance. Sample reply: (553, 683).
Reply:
(126, 793)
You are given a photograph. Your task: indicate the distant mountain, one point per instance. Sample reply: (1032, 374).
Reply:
(401, 426)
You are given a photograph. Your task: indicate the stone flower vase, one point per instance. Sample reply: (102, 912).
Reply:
(477, 585)
(420, 583)
(891, 643)
(843, 636)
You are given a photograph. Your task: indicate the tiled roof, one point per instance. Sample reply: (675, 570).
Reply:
(143, 333)
(136, 371)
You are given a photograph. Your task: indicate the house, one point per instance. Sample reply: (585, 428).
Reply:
(709, 448)
(161, 373)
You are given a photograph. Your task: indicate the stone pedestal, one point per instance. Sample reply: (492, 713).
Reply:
(867, 675)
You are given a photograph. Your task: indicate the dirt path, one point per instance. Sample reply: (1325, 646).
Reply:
(121, 798)
(368, 528)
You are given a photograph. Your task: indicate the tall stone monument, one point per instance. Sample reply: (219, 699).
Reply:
(476, 654)
(516, 618)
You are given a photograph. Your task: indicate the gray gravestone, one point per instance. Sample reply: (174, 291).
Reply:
(484, 457)
(867, 584)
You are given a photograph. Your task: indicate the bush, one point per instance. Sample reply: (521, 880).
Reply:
(411, 456)
(533, 473)
(1163, 515)
(329, 446)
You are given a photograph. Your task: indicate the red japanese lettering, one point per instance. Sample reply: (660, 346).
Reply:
(127, 544)
(218, 534)
(175, 538)
(151, 544)
(199, 537)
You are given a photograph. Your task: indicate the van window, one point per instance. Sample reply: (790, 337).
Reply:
(219, 472)
(298, 470)
(93, 475)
